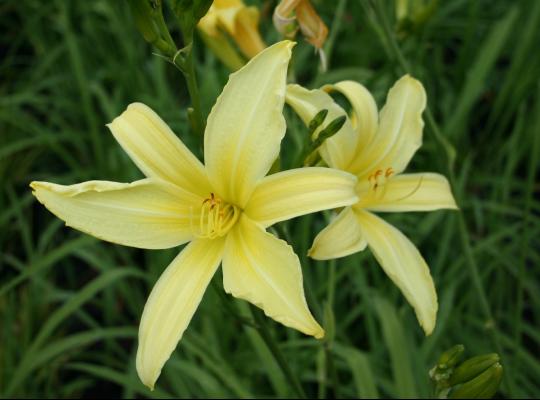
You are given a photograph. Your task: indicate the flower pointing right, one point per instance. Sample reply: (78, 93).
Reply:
(377, 147)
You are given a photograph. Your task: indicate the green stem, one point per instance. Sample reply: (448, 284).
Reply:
(262, 329)
(331, 369)
(331, 281)
(186, 65)
(196, 117)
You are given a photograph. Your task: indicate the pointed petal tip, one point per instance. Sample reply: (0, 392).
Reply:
(39, 185)
(148, 378)
(312, 253)
(150, 383)
(132, 107)
(319, 333)
(428, 326)
(284, 45)
(287, 43)
(428, 318)
(410, 80)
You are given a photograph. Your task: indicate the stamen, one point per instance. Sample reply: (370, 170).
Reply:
(216, 218)
(378, 179)
(412, 192)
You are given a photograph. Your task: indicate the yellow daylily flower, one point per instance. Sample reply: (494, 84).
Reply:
(222, 208)
(377, 148)
(240, 23)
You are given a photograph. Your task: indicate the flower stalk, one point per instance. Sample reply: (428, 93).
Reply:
(149, 20)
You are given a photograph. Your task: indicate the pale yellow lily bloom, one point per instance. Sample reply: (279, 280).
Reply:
(221, 208)
(376, 147)
(239, 22)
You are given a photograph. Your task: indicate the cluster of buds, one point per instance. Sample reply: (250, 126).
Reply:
(148, 16)
(293, 15)
(476, 378)
(311, 154)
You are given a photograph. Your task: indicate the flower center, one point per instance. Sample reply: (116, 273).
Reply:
(216, 218)
(375, 189)
(378, 180)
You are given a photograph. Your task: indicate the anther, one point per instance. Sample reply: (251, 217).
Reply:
(216, 218)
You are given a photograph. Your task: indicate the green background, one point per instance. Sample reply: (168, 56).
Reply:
(70, 304)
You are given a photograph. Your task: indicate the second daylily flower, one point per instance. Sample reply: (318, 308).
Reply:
(377, 148)
(222, 208)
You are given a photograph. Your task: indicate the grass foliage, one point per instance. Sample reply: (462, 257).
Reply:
(70, 304)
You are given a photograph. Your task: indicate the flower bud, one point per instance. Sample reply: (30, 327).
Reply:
(317, 121)
(450, 357)
(291, 15)
(473, 367)
(483, 386)
(143, 12)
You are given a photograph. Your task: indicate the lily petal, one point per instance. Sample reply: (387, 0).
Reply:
(172, 303)
(404, 264)
(157, 151)
(364, 109)
(262, 269)
(149, 214)
(400, 129)
(246, 125)
(342, 237)
(339, 150)
(295, 192)
(414, 192)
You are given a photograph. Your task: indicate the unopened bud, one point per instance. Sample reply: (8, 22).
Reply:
(291, 15)
(450, 357)
(473, 367)
(317, 121)
(143, 14)
(331, 129)
(440, 374)
(149, 21)
(483, 386)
